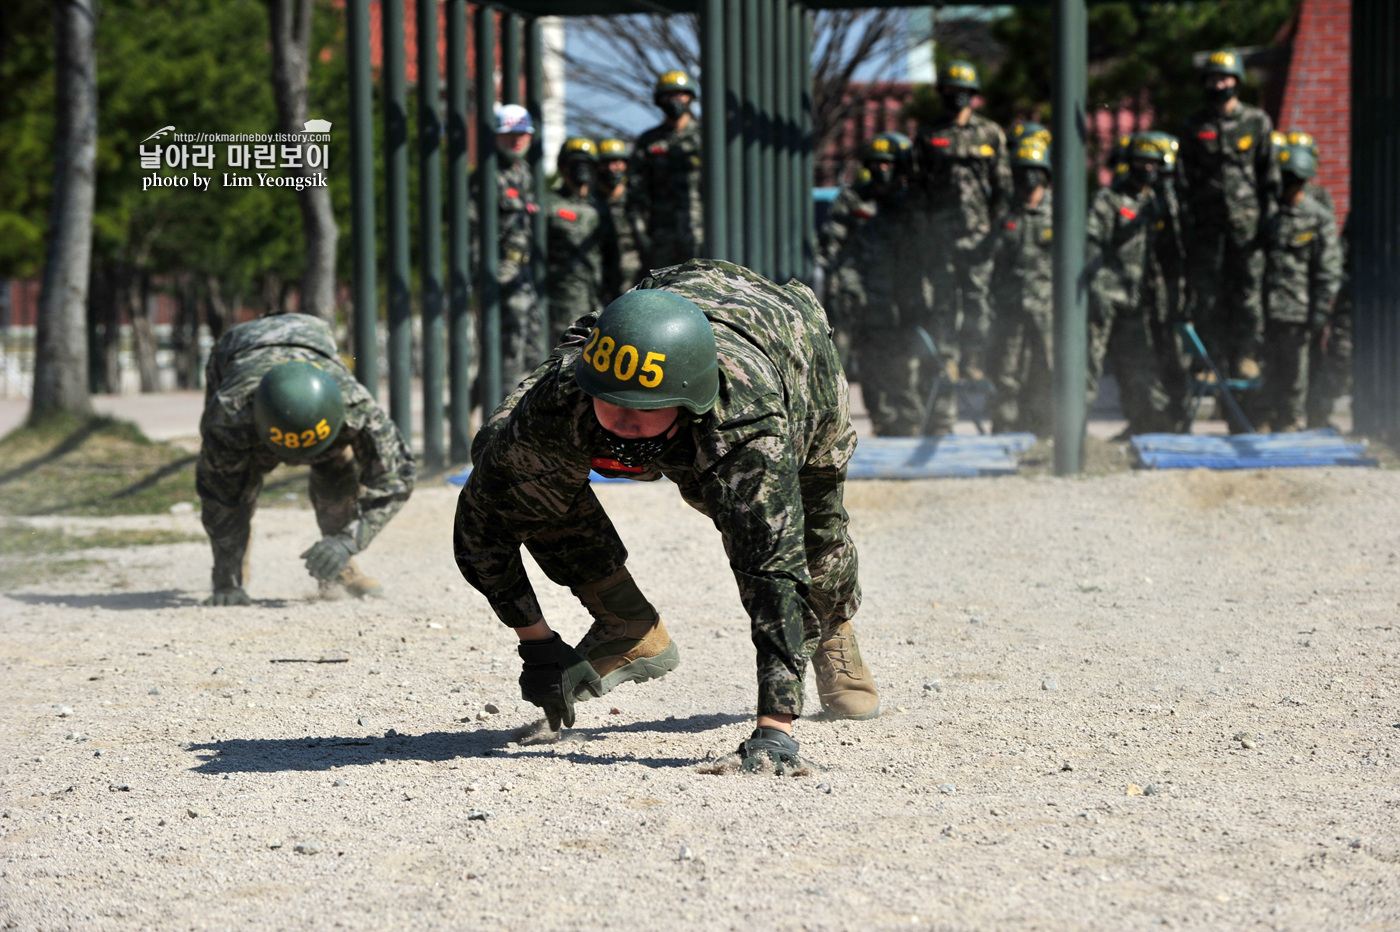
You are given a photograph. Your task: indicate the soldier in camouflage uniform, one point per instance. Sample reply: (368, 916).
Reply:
(582, 241)
(1302, 272)
(1131, 250)
(664, 179)
(1227, 178)
(521, 327)
(276, 392)
(1329, 357)
(836, 241)
(967, 184)
(613, 156)
(1300, 138)
(1019, 361)
(728, 385)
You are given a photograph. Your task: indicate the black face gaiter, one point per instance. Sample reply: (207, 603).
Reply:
(1028, 178)
(1144, 175)
(957, 99)
(614, 177)
(674, 106)
(638, 451)
(1218, 95)
(580, 173)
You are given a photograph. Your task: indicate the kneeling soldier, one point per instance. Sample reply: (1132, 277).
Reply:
(728, 385)
(278, 393)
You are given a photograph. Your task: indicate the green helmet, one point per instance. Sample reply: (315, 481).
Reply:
(1297, 137)
(578, 148)
(1118, 155)
(1224, 61)
(612, 149)
(1168, 144)
(651, 349)
(1031, 152)
(1298, 161)
(672, 82)
(1147, 146)
(960, 74)
(888, 147)
(298, 410)
(1020, 130)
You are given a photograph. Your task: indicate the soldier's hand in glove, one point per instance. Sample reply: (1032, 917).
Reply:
(231, 596)
(328, 556)
(771, 746)
(553, 670)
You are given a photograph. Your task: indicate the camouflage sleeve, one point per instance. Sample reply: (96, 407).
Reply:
(836, 228)
(1326, 278)
(228, 482)
(1001, 177)
(1266, 172)
(388, 470)
(1099, 276)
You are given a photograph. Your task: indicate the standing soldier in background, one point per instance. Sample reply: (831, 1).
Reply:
(276, 392)
(1227, 176)
(967, 183)
(612, 188)
(582, 243)
(521, 328)
(1022, 297)
(1302, 272)
(1329, 356)
(664, 186)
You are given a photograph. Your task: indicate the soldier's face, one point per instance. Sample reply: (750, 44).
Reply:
(1219, 85)
(513, 142)
(634, 424)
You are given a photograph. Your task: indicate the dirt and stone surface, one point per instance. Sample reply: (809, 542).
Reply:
(1132, 701)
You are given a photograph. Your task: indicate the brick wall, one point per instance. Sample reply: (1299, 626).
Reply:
(1317, 98)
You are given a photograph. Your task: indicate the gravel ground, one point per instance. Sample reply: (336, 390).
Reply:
(1135, 701)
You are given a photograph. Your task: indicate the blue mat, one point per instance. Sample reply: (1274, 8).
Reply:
(1247, 451)
(460, 478)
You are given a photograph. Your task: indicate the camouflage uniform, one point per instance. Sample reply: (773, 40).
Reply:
(663, 183)
(629, 257)
(521, 327)
(767, 464)
(836, 252)
(582, 258)
(967, 180)
(1227, 178)
(357, 484)
(1329, 359)
(1129, 255)
(1303, 270)
(1023, 304)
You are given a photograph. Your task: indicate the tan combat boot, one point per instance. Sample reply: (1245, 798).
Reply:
(353, 582)
(844, 682)
(627, 652)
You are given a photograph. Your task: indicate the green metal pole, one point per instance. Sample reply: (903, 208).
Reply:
(809, 232)
(362, 197)
(1070, 69)
(534, 102)
(782, 146)
(734, 128)
(715, 166)
(396, 220)
(459, 327)
(765, 132)
(796, 191)
(430, 230)
(753, 166)
(510, 58)
(488, 288)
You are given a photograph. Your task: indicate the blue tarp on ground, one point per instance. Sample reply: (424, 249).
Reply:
(913, 458)
(1247, 451)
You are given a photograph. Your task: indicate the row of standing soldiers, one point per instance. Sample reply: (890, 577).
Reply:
(950, 236)
(618, 210)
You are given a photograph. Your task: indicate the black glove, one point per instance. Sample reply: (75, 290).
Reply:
(553, 670)
(328, 556)
(770, 744)
(233, 595)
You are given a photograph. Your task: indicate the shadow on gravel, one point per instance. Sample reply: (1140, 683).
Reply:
(119, 601)
(690, 723)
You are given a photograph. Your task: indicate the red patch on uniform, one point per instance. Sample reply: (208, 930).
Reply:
(511, 192)
(1206, 134)
(567, 214)
(1011, 224)
(602, 462)
(1128, 213)
(863, 214)
(531, 208)
(940, 142)
(657, 150)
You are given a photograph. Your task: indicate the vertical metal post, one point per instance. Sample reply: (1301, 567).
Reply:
(712, 85)
(534, 102)
(1071, 315)
(798, 189)
(763, 62)
(734, 127)
(396, 219)
(753, 193)
(362, 197)
(809, 214)
(430, 229)
(459, 339)
(782, 146)
(488, 288)
(510, 58)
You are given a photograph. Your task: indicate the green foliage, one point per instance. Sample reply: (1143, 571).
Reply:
(26, 135)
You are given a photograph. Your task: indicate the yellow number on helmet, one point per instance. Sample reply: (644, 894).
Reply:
(622, 372)
(588, 350)
(308, 438)
(651, 372)
(603, 357)
(274, 435)
(323, 430)
(291, 441)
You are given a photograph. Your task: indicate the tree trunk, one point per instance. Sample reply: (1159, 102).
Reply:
(185, 333)
(220, 312)
(291, 39)
(143, 335)
(60, 355)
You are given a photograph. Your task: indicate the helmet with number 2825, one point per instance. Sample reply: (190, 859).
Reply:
(298, 410)
(651, 349)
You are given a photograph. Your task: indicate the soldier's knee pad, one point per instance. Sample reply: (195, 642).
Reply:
(616, 598)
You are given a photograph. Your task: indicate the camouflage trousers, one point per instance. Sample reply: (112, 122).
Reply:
(1224, 280)
(889, 381)
(1329, 373)
(1282, 397)
(959, 324)
(522, 331)
(1019, 366)
(1144, 357)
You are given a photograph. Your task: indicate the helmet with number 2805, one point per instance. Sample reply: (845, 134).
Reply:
(651, 349)
(298, 410)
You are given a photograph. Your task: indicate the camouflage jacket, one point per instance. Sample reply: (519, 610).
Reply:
(233, 459)
(887, 252)
(582, 257)
(837, 250)
(1023, 263)
(516, 237)
(1303, 263)
(967, 177)
(664, 189)
(1126, 244)
(629, 256)
(782, 408)
(1227, 171)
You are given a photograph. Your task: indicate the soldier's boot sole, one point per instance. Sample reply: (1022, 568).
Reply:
(629, 660)
(352, 582)
(845, 684)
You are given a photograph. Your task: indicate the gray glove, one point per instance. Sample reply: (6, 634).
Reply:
(231, 596)
(552, 671)
(328, 556)
(770, 744)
